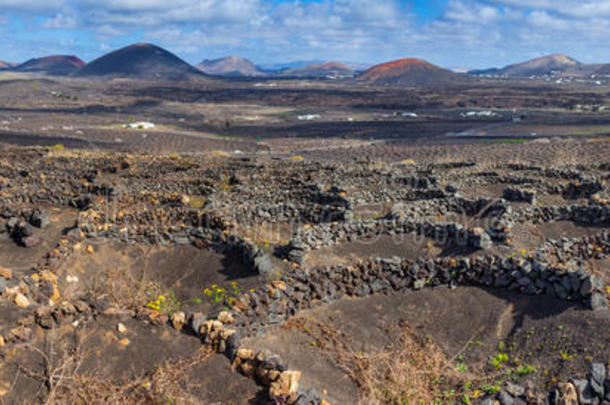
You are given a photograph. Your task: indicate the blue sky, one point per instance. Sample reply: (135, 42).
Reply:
(451, 33)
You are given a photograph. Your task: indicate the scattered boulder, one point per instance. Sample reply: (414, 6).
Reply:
(262, 264)
(178, 320)
(585, 393)
(481, 239)
(597, 376)
(601, 198)
(21, 301)
(286, 385)
(5, 273)
(519, 194)
(40, 218)
(24, 234)
(598, 302)
(567, 394)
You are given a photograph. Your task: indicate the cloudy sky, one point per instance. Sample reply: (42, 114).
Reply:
(451, 33)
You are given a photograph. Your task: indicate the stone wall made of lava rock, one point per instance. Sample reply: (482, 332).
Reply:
(318, 236)
(297, 290)
(581, 214)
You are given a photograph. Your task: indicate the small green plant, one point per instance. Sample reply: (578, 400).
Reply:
(499, 360)
(508, 140)
(565, 355)
(165, 303)
(58, 147)
(525, 369)
(461, 367)
(235, 288)
(216, 294)
(197, 203)
(491, 389)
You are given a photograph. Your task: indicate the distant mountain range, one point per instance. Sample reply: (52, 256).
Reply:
(410, 72)
(230, 66)
(142, 60)
(551, 65)
(59, 65)
(330, 69)
(235, 66)
(276, 67)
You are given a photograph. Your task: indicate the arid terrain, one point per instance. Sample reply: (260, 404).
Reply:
(283, 241)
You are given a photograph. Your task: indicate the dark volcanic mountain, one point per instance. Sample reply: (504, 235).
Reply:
(604, 70)
(141, 60)
(410, 72)
(556, 63)
(230, 66)
(53, 65)
(330, 69)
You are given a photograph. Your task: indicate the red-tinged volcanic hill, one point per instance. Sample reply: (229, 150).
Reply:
(143, 60)
(410, 72)
(330, 69)
(6, 65)
(53, 65)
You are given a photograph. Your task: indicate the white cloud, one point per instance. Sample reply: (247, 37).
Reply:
(61, 21)
(467, 32)
(157, 13)
(574, 8)
(471, 12)
(30, 5)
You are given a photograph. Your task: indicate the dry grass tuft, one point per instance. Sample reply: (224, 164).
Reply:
(411, 371)
(125, 287)
(165, 385)
(219, 154)
(63, 382)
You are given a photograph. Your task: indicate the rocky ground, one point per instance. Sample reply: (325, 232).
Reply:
(237, 253)
(247, 279)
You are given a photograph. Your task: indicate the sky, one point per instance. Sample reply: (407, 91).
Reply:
(450, 33)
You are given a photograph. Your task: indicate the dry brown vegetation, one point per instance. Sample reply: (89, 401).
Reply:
(63, 381)
(124, 288)
(413, 370)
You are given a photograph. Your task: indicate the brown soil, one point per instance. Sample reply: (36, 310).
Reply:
(102, 356)
(113, 271)
(467, 321)
(410, 246)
